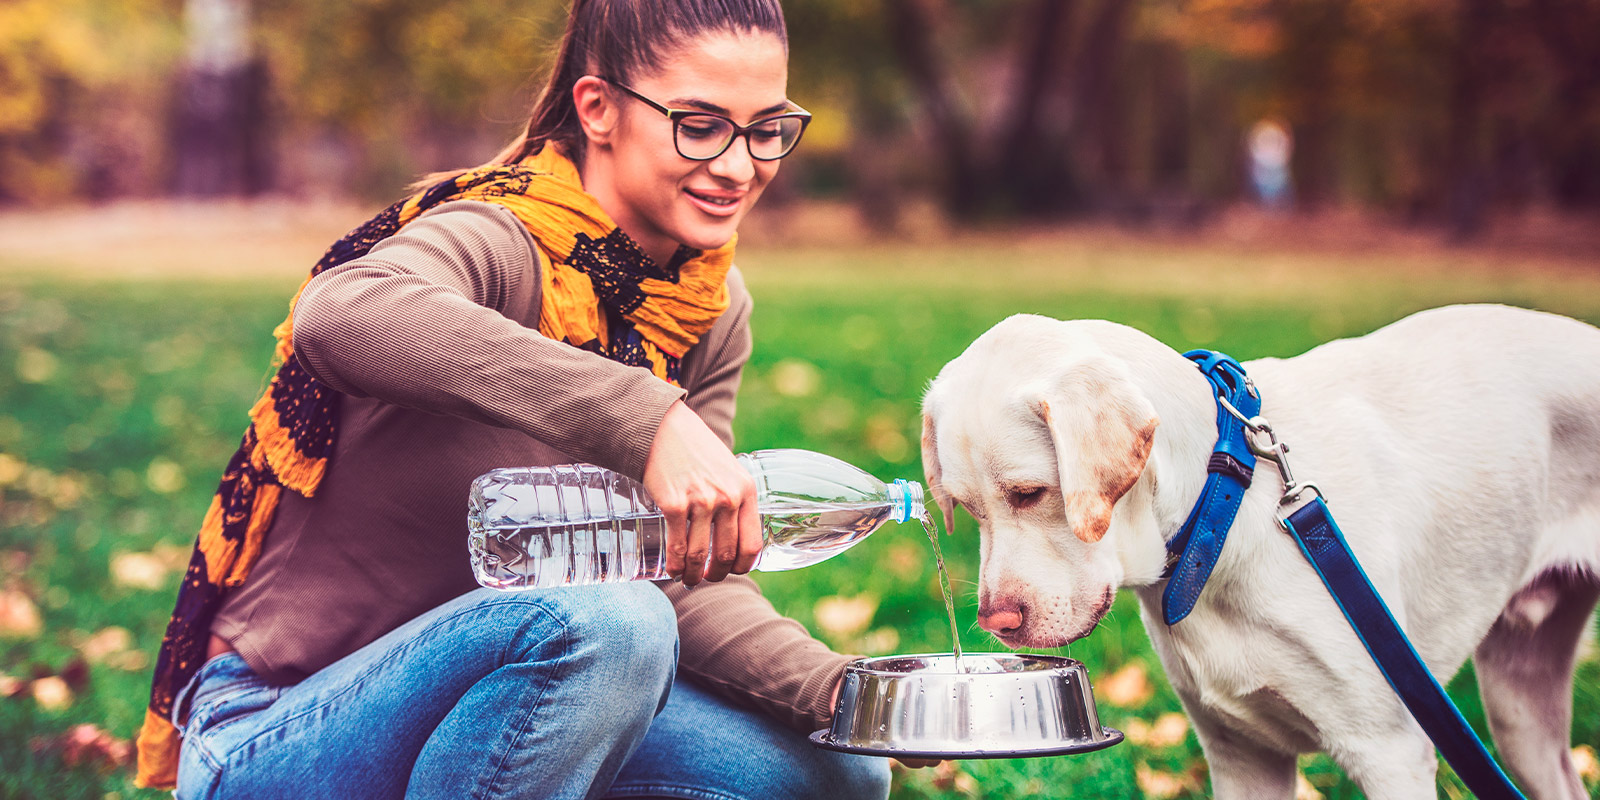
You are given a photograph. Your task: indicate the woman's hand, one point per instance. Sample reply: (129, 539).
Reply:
(709, 501)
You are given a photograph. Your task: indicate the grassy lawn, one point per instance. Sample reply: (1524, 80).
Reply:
(120, 400)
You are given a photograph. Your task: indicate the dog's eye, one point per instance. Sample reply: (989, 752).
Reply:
(1025, 497)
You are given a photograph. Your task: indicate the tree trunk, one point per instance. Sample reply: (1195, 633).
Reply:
(1313, 30)
(914, 42)
(1032, 173)
(1464, 161)
(1098, 125)
(1571, 136)
(219, 134)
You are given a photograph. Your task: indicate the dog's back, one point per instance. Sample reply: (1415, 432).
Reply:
(1460, 450)
(1476, 412)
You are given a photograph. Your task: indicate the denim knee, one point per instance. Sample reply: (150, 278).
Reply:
(836, 776)
(860, 778)
(627, 630)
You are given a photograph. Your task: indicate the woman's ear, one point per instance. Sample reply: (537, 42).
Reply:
(597, 109)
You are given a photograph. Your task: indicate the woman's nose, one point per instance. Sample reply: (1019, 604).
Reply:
(735, 164)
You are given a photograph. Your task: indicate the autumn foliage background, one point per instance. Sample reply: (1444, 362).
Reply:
(170, 169)
(1446, 112)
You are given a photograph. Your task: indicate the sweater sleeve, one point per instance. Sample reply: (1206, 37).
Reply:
(731, 639)
(428, 320)
(713, 376)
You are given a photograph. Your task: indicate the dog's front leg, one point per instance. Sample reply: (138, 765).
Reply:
(1242, 767)
(1401, 766)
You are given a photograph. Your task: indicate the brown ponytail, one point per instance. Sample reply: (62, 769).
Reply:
(618, 39)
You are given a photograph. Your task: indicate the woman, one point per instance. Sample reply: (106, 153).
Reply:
(574, 300)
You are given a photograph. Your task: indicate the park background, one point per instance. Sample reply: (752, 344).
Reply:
(1256, 176)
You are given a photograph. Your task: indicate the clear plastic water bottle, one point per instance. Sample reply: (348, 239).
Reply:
(578, 524)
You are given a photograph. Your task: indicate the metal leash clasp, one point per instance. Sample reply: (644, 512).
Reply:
(1264, 443)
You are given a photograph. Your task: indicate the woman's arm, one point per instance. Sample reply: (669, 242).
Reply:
(730, 637)
(431, 319)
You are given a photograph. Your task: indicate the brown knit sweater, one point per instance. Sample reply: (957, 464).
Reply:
(434, 335)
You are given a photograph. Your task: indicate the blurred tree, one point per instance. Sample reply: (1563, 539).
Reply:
(841, 69)
(384, 90)
(220, 139)
(76, 77)
(1568, 31)
(1011, 151)
(1444, 110)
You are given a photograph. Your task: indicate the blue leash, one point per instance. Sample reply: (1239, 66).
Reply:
(1194, 550)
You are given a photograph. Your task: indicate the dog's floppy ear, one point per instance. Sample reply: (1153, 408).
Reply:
(931, 470)
(1102, 427)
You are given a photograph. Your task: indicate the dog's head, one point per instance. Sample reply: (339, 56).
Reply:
(1041, 436)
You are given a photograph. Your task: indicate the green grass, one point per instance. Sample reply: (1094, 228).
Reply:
(120, 400)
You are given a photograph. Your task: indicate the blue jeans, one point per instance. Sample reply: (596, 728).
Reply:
(558, 694)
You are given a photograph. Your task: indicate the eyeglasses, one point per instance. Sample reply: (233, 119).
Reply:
(703, 136)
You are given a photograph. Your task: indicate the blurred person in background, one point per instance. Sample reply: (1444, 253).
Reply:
(572, 300)
(1270, 147)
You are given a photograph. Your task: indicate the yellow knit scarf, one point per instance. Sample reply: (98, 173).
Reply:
(601, 293)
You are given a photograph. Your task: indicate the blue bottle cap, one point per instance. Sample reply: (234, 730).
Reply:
(907, 499)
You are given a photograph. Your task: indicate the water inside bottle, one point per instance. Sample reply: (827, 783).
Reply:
(944, 586)
(801, 534)
(569, 554)
(630, 547)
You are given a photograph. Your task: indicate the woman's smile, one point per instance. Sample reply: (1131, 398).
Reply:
(634, 167)
(717, 202)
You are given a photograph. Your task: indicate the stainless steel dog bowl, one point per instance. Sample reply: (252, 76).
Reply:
(1005, 705)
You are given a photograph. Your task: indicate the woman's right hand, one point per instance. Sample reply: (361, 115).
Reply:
(708, 499)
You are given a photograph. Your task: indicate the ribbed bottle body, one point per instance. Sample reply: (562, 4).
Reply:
(578, 524)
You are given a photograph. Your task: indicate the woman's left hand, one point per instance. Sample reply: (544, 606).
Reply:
(707, 498)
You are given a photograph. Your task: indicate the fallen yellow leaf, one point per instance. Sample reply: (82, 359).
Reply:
(105, 643)
(173, 556)
(1128, 687)
(163, 476)
(1169, 730)
(1158, 785)
(1587, 762)
(19, 616)
(793, 377)
(905, 559)
(1303, 790)
(11, 468)
(138, 571)
(52, 693)
(880, 641)
(844, 617)
(91, 745)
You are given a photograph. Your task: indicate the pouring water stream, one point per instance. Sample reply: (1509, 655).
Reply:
(929, 528)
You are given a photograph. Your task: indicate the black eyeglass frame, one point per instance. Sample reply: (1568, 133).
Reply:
(677, 115)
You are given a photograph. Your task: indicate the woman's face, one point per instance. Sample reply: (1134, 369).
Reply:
(658, 197)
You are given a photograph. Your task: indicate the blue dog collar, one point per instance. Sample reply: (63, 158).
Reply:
(1193, 552)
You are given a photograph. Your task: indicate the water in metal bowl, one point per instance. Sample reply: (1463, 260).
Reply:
(1001, 705)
